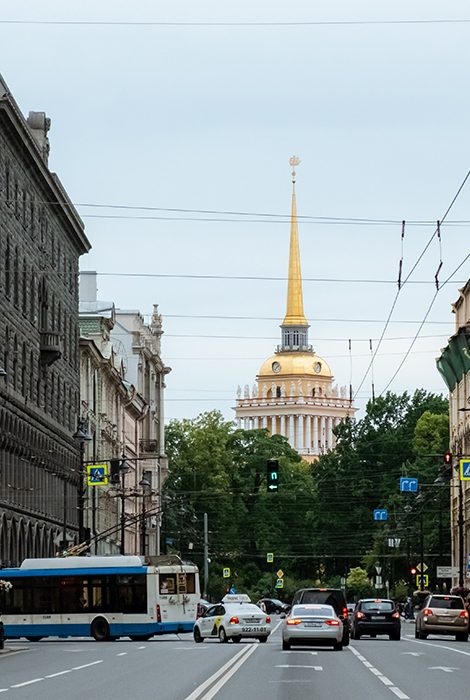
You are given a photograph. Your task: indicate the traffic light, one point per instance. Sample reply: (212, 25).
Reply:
(413, 571)
(447, 465)
(272, 475)
(114, 476)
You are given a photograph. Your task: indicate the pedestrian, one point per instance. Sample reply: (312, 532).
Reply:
(409, 612)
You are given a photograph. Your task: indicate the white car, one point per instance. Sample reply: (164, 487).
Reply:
(235, 617)
(311, 625)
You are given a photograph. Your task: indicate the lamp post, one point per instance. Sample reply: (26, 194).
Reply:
(123, 469)
(145, 485)
(81, 436)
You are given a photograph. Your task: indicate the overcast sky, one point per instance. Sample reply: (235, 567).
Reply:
(206, 118)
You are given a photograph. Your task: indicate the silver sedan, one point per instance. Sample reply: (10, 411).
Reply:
(312, 625)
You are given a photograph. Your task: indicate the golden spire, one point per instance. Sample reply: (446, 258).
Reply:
(295, 306)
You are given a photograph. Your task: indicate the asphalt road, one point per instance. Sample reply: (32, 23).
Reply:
(172, 668)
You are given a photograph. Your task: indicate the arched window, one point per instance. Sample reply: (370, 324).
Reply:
(278, 392)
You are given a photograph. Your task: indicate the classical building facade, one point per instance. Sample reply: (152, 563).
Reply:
(294, 394)
(454, 367)
(122, 394)
(41, 240)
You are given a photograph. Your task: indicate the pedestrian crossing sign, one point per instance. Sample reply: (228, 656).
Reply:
(465, 469)
(422, 578)
(97, 474)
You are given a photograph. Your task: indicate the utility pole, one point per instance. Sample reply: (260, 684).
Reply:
(206, 555)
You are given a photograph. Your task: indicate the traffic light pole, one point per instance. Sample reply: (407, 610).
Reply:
(421, 551)
(460, 531)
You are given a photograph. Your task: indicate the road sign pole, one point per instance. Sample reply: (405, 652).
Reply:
(421, 550)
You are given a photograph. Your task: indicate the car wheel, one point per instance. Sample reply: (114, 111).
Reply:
(100, 630)
(237, 639)
(345, 640)
(461, 637)
(338, 646)
(395, 636)
(223, 636)
(285, 646)
(198, 638)
(263, 639)
(416, 633)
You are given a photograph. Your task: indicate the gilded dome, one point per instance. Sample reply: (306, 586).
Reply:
(297, 363)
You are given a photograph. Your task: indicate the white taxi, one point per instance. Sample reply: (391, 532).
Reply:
(235, 617)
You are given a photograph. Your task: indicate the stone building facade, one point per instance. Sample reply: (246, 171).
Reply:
(454, 367)
(41, 240)
(122, 393)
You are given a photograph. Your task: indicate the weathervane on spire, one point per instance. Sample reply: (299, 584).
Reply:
(294, 161)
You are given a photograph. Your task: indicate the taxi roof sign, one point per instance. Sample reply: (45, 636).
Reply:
(236, 598)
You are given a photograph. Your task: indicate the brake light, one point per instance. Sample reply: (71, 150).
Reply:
(359, 615)
(234, 620)
(396, 615)
(268, 619)
(345, 612)
(159, 614)
(427, 611)
(332, 623)
(464, 614)
(293, 621)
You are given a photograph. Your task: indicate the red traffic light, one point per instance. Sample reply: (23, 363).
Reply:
(413, 571)
(448, 458)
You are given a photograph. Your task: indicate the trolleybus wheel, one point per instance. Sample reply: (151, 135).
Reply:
(100, 630)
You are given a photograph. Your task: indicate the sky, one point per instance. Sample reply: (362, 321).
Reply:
(173, 141)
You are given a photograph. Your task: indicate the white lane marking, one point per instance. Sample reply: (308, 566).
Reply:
(399, 693)
(142, 647)
(200, 689)
(315, 668)
(446, 669)
(60, 673)
(292, 681)
(93, 663)
(222, 681)
(122, 653)
(411, 653)
(20, 685)
(4, 690)
(386, 681)
(442, 646)
(302, 651)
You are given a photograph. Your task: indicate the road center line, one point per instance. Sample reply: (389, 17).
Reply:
(441, 646)
(60, 673)
(20, 685)
(199, 690)
(222, 681)
(93, 663)
(386, 681)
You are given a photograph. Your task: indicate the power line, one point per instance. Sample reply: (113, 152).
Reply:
(235, 24)
(277, 318)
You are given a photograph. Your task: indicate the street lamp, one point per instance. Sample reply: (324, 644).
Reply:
(81, 436)
(145, 485)
(124, 468)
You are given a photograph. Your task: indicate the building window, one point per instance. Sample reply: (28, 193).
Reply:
(7, 267)
(24, 300)
(16, 280)
(278, 392)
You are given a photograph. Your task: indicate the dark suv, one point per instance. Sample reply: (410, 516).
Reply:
(376, 616)
(326, 596)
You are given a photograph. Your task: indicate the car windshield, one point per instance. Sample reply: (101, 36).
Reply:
(447, 603)
(243, 607)
(313, 611)
(381, 605)
(319, 597)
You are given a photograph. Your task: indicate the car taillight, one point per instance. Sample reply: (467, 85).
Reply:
(427, 611)
(293, 621)
(159, 614)
(464, 614)
(396, 615)
(332, 623)
(234, 620)
(359, 615)
(345, 612)
(268, 619)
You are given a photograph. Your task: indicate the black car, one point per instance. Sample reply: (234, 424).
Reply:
(327, 596)
(273, 606)
(375, 616)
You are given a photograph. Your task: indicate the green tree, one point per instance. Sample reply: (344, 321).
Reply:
(358, 583)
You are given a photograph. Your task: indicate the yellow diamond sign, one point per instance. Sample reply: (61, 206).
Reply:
(280, 573)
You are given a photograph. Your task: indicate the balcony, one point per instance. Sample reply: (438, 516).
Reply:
(49, 347)
(148, 446)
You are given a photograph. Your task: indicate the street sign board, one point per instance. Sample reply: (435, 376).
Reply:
(446, 571)
(380, 514)
(270, 557)
(378, 581)
(465, 469)
(280, 573)
(424, 578)
(280, 583)
(394, 541)
(422, 567)
(97, 474)
(379, 570)
(408, 484)
(226, 572)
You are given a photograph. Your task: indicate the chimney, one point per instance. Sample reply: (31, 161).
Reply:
(39, 125)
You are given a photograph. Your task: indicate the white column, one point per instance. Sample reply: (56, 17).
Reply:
(246, 423)
(283, 426)
(265, 422)
(291, 431)
(322, 433)
(239, 423)
(274, 429)
(315, 435)
(300, 432)
(308, 432)
(256, 422)
(329, 431)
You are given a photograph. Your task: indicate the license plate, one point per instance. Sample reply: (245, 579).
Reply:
(312, 624)
(377, 617)
(254, 629)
